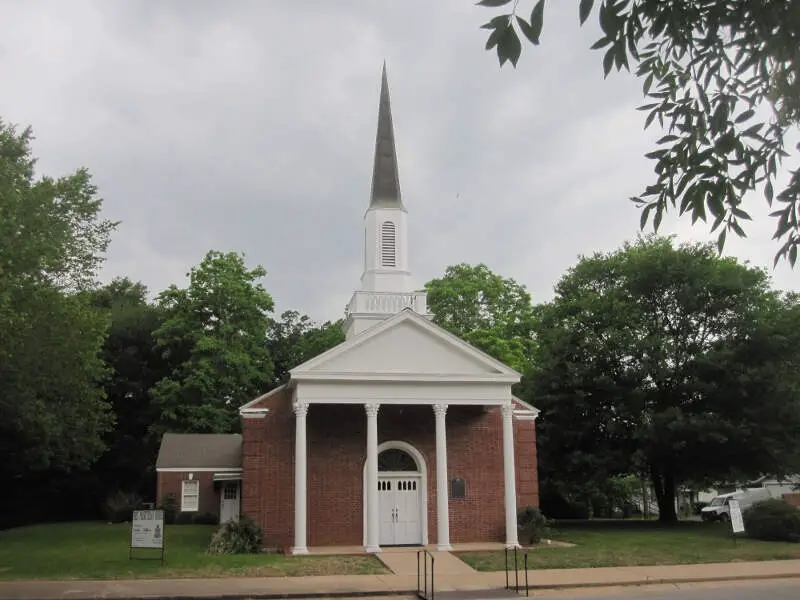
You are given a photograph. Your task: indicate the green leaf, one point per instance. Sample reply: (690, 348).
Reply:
(537, 19)
(645, 215)
(658, 217)
(497, 22)
(741, 213)
(584, 9)
(721, 240)
(715, 205)
(793, 255)
(494, 38)
(608, 61)
(601, 43)
(745, 115)
(768, 192)
(493, 3)
(647, 83)
(528, 31)
(720, 117)
(509, 47)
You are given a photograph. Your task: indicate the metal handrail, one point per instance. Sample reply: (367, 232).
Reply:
(422, 587)
(516, 586)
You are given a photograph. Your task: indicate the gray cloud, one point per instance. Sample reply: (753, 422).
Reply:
(249, 126)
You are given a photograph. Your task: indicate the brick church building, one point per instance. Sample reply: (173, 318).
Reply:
(402, 435)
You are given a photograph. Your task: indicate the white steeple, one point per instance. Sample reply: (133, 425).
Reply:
(386, 286)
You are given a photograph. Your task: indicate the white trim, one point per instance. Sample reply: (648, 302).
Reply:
(526, 416)
(415, 377)
(526, 405)
(422, 473)
(253, 413)
(199, 469)
(238, 510)
(196, 484)
(226, 477)
(504, 372)
(463, 400)
(262, 397)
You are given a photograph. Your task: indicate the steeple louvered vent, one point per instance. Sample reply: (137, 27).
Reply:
(388, 245)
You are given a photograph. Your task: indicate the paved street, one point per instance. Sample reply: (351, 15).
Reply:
(788, 589)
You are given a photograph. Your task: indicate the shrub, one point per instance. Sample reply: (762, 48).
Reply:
(773, 520)
(169, 504)
(205, 519)
(532, 525)
(184, 518)
(120, 505)
(237, 537)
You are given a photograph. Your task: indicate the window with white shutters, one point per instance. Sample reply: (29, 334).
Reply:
(388, 245)
(190, 496)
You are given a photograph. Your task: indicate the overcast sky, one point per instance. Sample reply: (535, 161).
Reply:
(250, 126)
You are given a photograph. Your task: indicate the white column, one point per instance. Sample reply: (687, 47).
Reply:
(373, 518)
(509, 473)
(442, 500)
(300, 479)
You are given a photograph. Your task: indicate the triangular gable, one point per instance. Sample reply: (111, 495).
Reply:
(406, 344)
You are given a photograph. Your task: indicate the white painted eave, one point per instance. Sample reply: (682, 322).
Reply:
(253, 413)
(322, 376)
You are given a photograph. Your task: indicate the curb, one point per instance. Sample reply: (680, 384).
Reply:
(471, 593)
(665, 581)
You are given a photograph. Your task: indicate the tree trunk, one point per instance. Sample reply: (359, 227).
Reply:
(664, 487)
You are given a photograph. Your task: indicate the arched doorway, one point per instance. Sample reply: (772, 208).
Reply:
(402, 495)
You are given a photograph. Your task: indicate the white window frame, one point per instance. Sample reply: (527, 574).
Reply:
(187, 494)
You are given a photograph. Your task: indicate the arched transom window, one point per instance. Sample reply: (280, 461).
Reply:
(388, 245)
(394, 459)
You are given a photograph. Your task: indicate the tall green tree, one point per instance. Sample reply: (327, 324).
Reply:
(214, 333)
(52, 241)
(720, 76)
(658, 360)
(135, 365)
(294, 338)
(490, 312)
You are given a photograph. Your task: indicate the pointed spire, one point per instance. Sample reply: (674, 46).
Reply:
(385, 177)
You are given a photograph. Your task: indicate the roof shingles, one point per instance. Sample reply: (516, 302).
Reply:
(200, 451)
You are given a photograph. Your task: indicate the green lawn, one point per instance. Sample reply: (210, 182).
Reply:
(100, 551)
(632, 543)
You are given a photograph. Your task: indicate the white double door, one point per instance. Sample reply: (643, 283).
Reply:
(399, 502)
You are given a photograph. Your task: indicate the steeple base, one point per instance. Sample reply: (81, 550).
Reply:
(369, 308)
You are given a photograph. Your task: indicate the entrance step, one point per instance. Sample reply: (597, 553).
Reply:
(405, 563)
(478, 594)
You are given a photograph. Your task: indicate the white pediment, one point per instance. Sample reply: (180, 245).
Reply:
(406, 345)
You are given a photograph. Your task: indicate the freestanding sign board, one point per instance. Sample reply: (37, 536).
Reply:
(737, 523)
(147, 530)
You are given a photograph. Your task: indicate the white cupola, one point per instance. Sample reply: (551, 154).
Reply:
(386, 286)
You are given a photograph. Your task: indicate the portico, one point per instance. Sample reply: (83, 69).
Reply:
(408, 362)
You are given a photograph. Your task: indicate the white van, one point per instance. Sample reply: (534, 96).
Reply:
(718, 509)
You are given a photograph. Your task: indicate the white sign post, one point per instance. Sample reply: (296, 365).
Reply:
(737, 522)
(147, 530)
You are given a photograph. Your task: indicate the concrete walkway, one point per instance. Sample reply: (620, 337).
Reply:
(377, 585)
(446, 565)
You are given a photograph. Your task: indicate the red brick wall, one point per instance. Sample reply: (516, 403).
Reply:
(268, 470)
(170, 483)
(793, 499)
(336, 453)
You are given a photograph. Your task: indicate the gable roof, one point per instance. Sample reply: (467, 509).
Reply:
(420, 336)
(200, 451)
